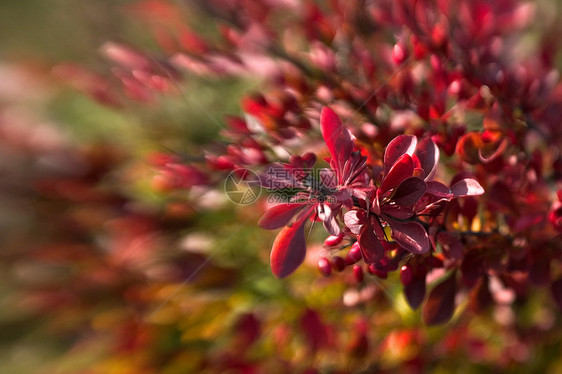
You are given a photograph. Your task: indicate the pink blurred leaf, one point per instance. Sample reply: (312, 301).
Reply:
(315, 331)
(126, 56)
(411, 236)
(289, 250)
(354, 220)
(440, 304)
(399, 146)
(248, 329)
(279, 215)
(467, 187)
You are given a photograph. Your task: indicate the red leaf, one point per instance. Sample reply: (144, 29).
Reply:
(403, 168)
(410, 235)
(456, 250)
(468, 147)
(398, 211)
(354, 220)
(248, 329)
(501, 198)
(399, 146)
(467, 187)
(409, 191)
(415, 290)
(488, 154)
(371, 247)
(315, 331)
(480, 297)
(336, 136)
(279, 215)
(440, 304)
(438, 189)
(428, 154)
(289, 250)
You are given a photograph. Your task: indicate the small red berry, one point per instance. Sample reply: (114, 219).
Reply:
(338, 263)
(333, 240)
(353, 255)
(358, 273)
(399, 53)
(406, 275)
(324, 266)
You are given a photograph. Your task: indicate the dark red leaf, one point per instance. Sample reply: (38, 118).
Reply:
(398, 211)
(399, 146)
(456, 250)
(440, 304)
(336, 136)
(469, 208)
(480, 296)
(279, 215)
(539, 273)
(501, 198)
(409, 191)
(438, 189)
(410, 235)
(371, 247)
(403, 168)
(415, 290)
(467, 187)
(471, 268)
(428, 155)
(289, 250)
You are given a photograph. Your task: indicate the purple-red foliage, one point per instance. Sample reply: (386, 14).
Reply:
(449, 158)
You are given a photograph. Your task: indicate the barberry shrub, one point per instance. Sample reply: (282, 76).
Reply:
(422, 135)
(448, 158)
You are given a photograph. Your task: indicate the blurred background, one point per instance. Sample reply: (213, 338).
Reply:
(105, 270)
(92, 257)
